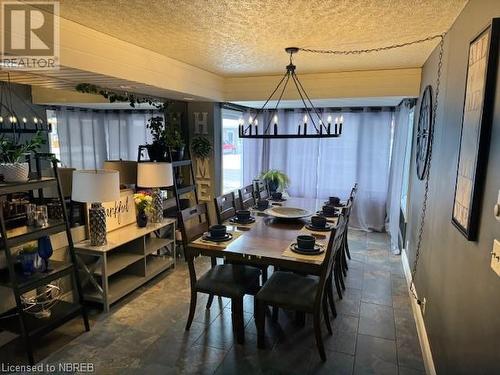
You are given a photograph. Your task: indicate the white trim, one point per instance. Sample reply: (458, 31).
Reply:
(419, 320)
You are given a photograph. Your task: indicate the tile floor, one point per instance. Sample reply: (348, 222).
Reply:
(374, 332)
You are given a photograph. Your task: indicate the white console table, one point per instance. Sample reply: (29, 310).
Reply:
(131, 257)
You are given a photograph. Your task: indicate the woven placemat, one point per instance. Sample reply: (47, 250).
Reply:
(200, 242)
(290, 254)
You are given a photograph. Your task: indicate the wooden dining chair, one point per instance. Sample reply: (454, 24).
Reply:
(261, 190)
(225, 280)
(354, 191)
(300, 293)
(341, 262)
(225, 207)
(247, 197)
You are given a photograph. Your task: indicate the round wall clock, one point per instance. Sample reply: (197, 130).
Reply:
(424, 132)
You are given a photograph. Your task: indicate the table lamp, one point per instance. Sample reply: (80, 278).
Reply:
(96, 186)
(155, 175)
(126, 168)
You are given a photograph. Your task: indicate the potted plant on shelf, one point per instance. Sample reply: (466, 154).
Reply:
(143, 202)
(175, 142)
(12, 152)
(276, 180)
(201, 147)
(164, 136)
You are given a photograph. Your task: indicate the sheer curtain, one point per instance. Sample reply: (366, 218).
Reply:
(400, 137)
(319, 168)
(87, 138)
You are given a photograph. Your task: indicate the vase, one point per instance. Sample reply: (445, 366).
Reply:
(28, 263)
(45, 251)
(156, 152)
(142, 219)
(15, 172)
(177, 153)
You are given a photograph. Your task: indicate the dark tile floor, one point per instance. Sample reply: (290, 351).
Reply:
(374, 332)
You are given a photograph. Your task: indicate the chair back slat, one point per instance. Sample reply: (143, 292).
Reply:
(193, 221)
(225, 207)
(333, 247)
(261, 190)
(247, 197)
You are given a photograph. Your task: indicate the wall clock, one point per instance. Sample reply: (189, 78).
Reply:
(424, 133)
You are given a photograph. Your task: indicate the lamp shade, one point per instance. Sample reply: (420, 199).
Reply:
(154, 175)
(126, 168)
(95, 185)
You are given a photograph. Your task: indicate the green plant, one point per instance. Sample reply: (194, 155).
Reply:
(12, 152)
(163, 134)
(201, 147)
(173, 137)
(277, 178)
(29, 249)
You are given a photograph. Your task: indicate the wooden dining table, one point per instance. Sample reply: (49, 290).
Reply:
(264, 242)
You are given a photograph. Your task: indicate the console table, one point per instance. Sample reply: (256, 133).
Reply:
(131, 257)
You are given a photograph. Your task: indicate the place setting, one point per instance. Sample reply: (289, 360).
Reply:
(305, 246)
(319, 224)
(242, 218)
(329, 211)
(277, 196)
(260, 207)
(217, 235)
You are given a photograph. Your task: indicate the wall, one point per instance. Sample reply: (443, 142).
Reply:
(462, 314)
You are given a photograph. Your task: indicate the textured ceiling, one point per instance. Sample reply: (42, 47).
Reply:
(247, 37)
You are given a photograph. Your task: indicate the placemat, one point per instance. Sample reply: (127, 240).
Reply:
(240, 225)
(200, 242)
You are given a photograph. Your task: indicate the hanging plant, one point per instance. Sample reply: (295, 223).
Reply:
(116, 96)
(201, 147)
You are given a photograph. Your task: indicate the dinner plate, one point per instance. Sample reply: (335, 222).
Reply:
(287, 212)
(326, 228)
(234, 220)
(320, 213)
(318, 249)
(208, 237)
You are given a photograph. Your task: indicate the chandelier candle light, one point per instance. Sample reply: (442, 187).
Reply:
(312, 117)
(155, 175)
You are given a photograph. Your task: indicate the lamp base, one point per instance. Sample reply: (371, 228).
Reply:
(157, 216)
(97, 225)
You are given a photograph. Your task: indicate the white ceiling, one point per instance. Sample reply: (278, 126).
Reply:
(247, 37)
(323, 103)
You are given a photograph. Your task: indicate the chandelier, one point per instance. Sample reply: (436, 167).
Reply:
(313, 124)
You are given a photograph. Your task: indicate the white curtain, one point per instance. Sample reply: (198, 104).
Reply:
(319, 168)
(400, 137)
(87, 138)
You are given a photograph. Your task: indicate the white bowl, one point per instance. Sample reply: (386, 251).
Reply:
(288, 212)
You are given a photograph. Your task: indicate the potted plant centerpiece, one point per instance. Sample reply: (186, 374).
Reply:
(143, 202)
(276, 180)
(12, 166)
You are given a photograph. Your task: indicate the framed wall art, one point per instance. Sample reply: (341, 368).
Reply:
(476, 129)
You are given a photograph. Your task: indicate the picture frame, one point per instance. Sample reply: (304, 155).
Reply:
(477, 120)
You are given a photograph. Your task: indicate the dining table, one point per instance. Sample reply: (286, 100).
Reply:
(266, 242)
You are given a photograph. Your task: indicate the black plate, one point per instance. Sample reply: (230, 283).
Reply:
(317, 250)
(278, 200)
(234, 220)
(207, 237)
(260, 210)
(320, 213)
(326, 228)
(339, 205)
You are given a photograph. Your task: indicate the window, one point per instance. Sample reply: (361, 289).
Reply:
(406, 168)
(53, 136)
(232, 151)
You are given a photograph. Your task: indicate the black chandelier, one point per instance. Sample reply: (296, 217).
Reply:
(320, 128)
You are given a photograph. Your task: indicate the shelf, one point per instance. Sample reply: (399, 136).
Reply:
(157, 264)
(20, 235)
(154, 243)
(184, 189)
(180, 163)
(61, 313)
(34, 184)
(26, 283)
(118, 261)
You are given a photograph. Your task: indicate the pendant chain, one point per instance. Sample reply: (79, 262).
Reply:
(431, 135)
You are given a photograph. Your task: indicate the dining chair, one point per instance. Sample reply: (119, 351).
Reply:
(225, 207)
(292, 291)
(261, 190)
(225, 280)
(247, 197)
(354, 191)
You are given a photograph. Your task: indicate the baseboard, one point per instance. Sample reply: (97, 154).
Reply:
(419, 320)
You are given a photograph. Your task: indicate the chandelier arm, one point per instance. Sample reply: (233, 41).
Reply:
(278, 102)
(259, 111)
(369, 50)
(312, 105)
(304, 102)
